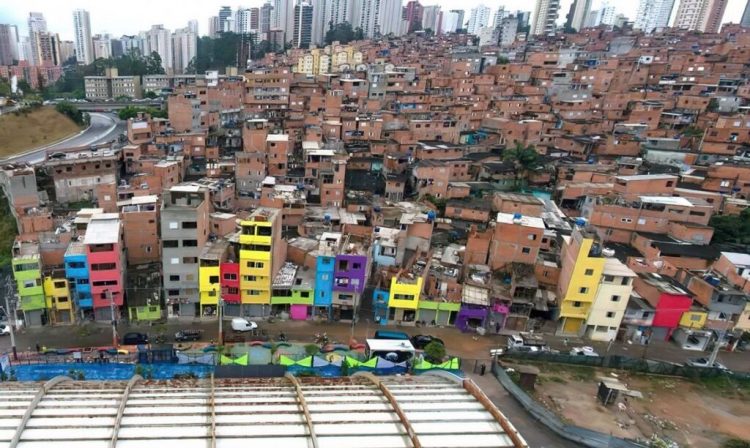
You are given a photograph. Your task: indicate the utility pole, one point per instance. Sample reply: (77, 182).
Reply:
(715, 351)
(220, 313)
(10, 316)
(112, 315)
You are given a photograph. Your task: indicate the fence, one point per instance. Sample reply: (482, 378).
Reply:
(627, 363)
(583, 436)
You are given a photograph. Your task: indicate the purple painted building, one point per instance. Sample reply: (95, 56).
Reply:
(349, 280)
(471, 316)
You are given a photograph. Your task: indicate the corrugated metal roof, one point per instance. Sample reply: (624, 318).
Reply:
(344, 412)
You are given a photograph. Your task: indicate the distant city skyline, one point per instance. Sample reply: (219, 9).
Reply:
(130, 19)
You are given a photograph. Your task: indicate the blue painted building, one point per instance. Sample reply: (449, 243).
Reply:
(77, 273)
(324, 270)
(380, 306)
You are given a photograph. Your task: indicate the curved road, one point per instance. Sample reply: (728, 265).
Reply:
(104, 127)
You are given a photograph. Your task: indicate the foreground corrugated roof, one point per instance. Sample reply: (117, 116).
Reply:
(359, 411)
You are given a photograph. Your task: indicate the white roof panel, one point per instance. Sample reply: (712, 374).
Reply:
(260, 413)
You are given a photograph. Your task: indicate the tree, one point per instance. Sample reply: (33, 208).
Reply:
(72, 112)
(150, 95)
(525, 159)
(731, 228)
(736, 443)
(129, 112)
(434, 352)
(343, 33)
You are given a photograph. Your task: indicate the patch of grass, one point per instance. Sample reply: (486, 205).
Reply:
(557, 379)
(30, 129)
(7, 232)
(726, 385)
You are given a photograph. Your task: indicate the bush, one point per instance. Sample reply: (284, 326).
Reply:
(434, 352)
(72, 112)
(311, 349)
(736, 443)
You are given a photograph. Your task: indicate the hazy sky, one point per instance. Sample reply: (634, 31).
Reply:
(132, 16)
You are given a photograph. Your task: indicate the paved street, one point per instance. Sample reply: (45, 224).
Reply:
(104, 128)
(466, 346)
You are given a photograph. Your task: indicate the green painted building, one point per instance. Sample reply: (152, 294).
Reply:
(27, 271)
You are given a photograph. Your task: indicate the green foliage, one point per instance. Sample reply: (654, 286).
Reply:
(736, 443)
(72, 112)
(713, 105)
(4, 87)
(150, 95)
(440, 203)
(311, 349)
(132, 111)
(343, 33)
(434, 352)
(731, 228)
(502, 60)
(524, 158)
(7, 232)
(224, 51)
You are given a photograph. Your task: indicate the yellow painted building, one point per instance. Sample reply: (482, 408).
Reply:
(694, 319)
(582, 267)
(256, 257)
(403, 298)
(209, 275)
(58, 300)
(330, 59)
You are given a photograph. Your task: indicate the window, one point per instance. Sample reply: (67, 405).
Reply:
(174, 261)
(189, 225)
(264, 231)
(403, 297)
(233, 291)
(174, 225)
(304, 294)
(173, 292)
(609, 278)
(103, 266)
(105, 283)
(588, 272)
(615, 298)
(29, 283)
(71, 265)
(343, 265)
(213, 279)
(170, 243)
(356, 265)
(532, 237)
(576, 304)
(230, 276)
(255, 264)
(610, 314)
(189, 243)
(324, 277)
(174, 278)
(583, 290)
(625, 281)
(626, 220)
(59, 284)
(526, 250)
(189, 260)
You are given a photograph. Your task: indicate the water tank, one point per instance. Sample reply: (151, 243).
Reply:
(607, 252)
(376, 230)
(517, 218)
(580, 222)
(327, 218)
(431, 216)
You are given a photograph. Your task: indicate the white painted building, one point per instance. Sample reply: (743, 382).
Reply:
(653, 15)
(82, 32)
(479, 17)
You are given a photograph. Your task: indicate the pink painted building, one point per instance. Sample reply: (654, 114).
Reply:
(106, 261)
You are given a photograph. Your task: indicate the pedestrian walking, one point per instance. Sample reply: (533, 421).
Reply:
(38, 348)
(497, 327)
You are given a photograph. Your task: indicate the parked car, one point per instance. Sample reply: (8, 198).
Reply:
(188, 335)
(135, 339)
(386, 334)
(4, 329)
(583, 351)
(703, 362)
(420, 341)
(524, 349)
(242, 324)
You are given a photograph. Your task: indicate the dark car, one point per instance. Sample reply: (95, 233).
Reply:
(188, 335)
(420, 341)
(135, 339)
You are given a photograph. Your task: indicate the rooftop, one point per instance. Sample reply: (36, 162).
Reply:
(262, 413)
(667, 200)
(522, 220)
(647, 177)
(103, 229)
